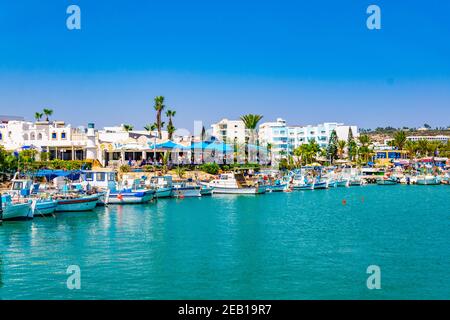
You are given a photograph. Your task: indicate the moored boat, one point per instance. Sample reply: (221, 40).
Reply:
(163, 186)
(186, 188)
(72, 202)
(43, 207)
(387, 181)
(15, 211)
(428, 180)
(235, 183)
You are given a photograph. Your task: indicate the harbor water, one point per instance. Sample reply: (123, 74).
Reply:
(298, 245)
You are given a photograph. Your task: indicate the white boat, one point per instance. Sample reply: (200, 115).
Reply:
(235, 183)
(76, 202)
(387, 181)
(186, 189)
(15, 211)
(356, 181)
(300, 182)
(130, 192)
(428, 180)
(343, 182)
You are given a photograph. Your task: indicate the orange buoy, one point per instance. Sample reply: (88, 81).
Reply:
(344, 202)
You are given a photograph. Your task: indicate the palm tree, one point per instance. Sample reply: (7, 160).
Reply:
(400, 139)
(170, 127)
(159, 107)
(251, 123)
(48, 113)
(341, 148)
(38, 116)
(423, 147)
(127, 127)
(411, 147)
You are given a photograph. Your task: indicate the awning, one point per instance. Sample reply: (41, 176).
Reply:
(220, 147)
(52, 174)
(168, 145)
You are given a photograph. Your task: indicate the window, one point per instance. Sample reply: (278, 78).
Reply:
(111, 177)
(100, 176)
(25, 137)
(32, 136)
(89, 176)
(54, 135)
(63, 135)
(39, 136)
(1, 136)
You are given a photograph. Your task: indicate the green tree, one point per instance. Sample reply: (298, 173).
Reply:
(38, 116)
(170, 127)
(333, 146)
(352, 148)
(411, 148)
(399, 139)
(251, 123)
(48, 113)
(423, 147)
(159, 107)
(127, 127)
(341, 148)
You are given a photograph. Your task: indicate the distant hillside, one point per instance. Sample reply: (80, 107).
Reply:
(379, 135)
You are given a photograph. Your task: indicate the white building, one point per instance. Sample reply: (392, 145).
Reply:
(275, 134)
(440, 138)
(321, 133)
(59, 140)
(229, 130)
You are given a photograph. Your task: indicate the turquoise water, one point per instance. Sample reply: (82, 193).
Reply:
(299, 245)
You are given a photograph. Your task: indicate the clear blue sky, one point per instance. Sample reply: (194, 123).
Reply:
(306, 61)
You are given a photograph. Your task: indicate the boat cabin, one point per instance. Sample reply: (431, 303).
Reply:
(98, 179)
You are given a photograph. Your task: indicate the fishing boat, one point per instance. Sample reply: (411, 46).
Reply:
(15, 211)
(428, 180)
(76, 202)
(319, 183)
(356, 181)
(163, 186)
(44, 207)
(300, 182)
(332, 183)
(24, 188)
(343, 182)
(129, 191)
(186, 188)
(206, 191)
(387, 181)
(277, 186)
(235, 183)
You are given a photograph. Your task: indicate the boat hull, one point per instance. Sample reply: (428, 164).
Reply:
(386, 182)
(251, 190)
(186, 192)
(206, 191)
(428, 182)
(320, 185)
(277, 188)
(18, 212)
(304, 187)
(163, 193)
(78, 204)
(45, 207)
(343, 183)
(131, 197)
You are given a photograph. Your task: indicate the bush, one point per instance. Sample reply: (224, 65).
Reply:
(211, 168)
(125, 168)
